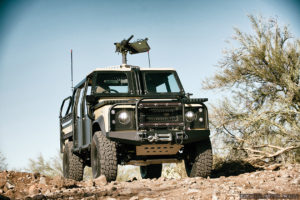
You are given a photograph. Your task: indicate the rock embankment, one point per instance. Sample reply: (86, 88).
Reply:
(286, 181)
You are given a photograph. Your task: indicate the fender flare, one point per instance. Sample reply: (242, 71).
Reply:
(101, 124)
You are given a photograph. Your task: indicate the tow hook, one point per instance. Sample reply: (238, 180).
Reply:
(179, 137)
(152, 138)
(166, 137)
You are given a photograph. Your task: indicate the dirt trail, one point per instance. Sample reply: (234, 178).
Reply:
(286, 181)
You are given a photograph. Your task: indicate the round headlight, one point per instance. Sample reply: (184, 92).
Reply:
(190, 116)
(124, 117)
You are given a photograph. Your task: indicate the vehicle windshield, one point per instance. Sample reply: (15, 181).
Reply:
(160, 82)
(111, 82)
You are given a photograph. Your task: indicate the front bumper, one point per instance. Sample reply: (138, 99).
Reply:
(159, 136)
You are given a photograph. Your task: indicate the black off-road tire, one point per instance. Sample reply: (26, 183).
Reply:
(151, 171)
(198, 159)
(72, 164)
(104, 157)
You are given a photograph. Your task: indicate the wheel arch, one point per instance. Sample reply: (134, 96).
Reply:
(98, 125)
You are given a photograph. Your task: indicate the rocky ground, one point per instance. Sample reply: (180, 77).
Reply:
(271, 184)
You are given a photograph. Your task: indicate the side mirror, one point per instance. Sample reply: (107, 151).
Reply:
(91, 99)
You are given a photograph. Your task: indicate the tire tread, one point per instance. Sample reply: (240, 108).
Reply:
(108, 156)
(76, 166)
(202, 164)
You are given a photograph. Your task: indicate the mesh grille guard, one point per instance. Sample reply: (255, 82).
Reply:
(160, 114)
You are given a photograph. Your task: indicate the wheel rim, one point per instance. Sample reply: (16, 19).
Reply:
(143, 171)
(188, 167)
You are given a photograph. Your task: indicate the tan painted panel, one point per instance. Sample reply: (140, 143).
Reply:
(128, 68)
(103, 111)
(192, 105)
(161, 100)
(152, 161)
(158, 149)
(124, 106)
(158, 69)
(67, 129)
(119, 68)
(116, 98)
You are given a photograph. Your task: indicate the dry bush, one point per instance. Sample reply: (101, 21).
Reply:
(261, 119)
(51, 167)
(3, 164)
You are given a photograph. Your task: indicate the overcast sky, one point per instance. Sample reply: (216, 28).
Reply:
(36, 37)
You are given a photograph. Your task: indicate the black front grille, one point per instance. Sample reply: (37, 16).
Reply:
(162, 119)
(160, 114)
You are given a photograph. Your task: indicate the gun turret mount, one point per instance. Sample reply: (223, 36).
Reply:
(139, 46)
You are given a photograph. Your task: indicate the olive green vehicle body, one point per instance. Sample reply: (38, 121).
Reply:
(157, 129)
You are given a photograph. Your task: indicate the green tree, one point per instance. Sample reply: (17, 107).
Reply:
(3, 164)
(262, 72)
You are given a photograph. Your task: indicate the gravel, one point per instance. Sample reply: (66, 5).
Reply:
(286, 181)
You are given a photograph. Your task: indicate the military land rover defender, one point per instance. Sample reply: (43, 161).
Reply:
(127, 115)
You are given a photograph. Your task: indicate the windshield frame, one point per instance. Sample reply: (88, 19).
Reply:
(146, 93)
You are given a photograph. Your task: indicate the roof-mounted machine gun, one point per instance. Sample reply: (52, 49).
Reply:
(139, 46)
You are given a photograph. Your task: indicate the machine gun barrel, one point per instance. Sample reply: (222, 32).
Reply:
(127, 41)
(138, 46)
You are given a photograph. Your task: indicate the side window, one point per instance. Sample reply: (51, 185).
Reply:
(88, 92)
(111, 82)
(76, 105)
(79, 102)
(66, 107)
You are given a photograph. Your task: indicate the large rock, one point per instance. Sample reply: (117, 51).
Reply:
(33, 190)
(89, 183)
(3, 179)
(100, 181)
(57, 181)
(296, 181)
(9, 185)
(43, 180)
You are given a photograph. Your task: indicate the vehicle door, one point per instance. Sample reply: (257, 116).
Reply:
(77, 118)
(65, 119)
(85, 120)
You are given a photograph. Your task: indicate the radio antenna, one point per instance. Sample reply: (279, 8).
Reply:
(149, 59)
(72, 88)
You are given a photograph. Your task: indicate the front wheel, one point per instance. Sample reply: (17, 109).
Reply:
(198, 159)
(72, 164)
(104, 157)
(151, 171)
